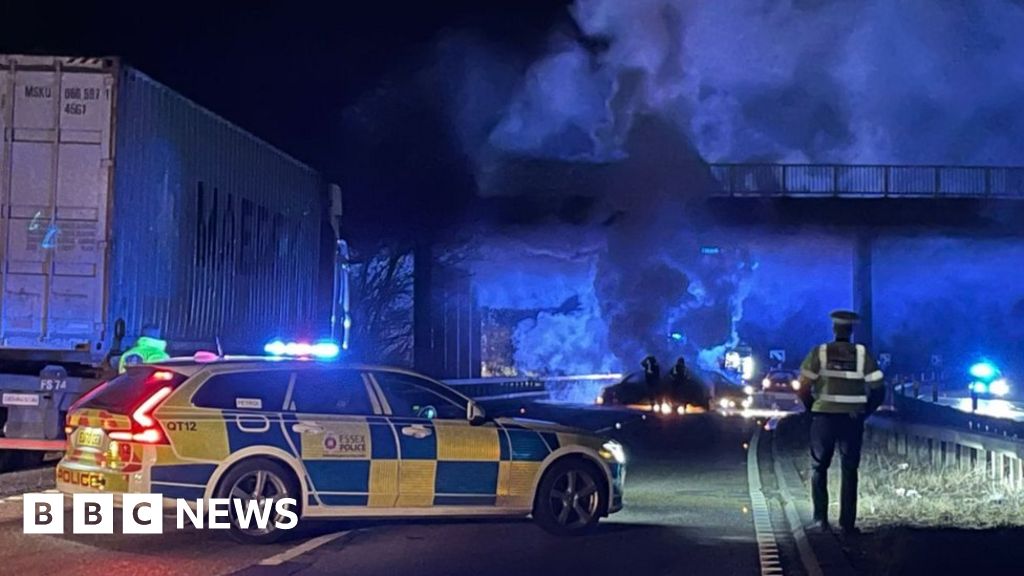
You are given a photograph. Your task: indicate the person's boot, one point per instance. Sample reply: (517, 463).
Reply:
(819, 526)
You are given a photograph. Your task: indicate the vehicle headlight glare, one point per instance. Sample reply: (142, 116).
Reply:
(612, 450)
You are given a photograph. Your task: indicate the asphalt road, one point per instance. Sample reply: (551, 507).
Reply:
(687, 512)
(994, 407)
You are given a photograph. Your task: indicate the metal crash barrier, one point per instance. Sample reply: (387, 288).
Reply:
(500, 388)
(925, 432)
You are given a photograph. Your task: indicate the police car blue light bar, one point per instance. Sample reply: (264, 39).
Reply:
(324, 350)
(984, 371)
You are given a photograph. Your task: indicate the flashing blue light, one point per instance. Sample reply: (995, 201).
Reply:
(979, 387)
(984, 371)
(325, 350)
(677, 336)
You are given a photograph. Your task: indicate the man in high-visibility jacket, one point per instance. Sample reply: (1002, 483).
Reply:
(148, 348)
(841, 385)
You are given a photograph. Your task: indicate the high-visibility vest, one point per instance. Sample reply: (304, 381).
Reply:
(146, 350)
(841, 374)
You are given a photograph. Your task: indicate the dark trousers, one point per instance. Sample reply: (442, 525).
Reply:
(827, 432)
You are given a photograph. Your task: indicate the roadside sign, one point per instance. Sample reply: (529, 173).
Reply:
(710, 250)
(884, 360)
(777, 356)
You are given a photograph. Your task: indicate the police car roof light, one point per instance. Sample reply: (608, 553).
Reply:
(324, 350)
(983, 370)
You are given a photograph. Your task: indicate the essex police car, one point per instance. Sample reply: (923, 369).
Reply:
(343, 440)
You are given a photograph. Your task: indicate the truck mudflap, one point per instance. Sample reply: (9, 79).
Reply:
(35, 406)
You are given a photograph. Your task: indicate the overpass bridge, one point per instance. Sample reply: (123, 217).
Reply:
(868, 181)
(868, 199)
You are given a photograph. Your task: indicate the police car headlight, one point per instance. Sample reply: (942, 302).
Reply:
(612, 450)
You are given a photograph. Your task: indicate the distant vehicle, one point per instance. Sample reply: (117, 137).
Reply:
(666, 398)
(780, 381)
(125, 205)
(343, 440)
(987, 380)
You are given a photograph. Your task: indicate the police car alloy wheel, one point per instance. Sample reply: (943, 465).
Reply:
(257, 479)
(570, 498)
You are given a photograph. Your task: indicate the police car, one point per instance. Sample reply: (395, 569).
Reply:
(343, 440)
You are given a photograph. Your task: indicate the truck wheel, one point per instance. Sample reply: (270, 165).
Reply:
(254, 482)
(570, 498)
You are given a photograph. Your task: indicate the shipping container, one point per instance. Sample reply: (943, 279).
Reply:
(124, 203)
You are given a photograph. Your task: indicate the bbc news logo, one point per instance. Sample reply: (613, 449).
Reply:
(144, 513)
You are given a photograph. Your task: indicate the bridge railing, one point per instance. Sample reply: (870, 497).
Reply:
(500, 388)
(581, 388)
(869, 181)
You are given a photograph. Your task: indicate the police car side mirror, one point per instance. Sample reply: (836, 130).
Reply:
(475, 414)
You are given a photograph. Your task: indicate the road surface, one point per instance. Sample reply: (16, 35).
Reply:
(687, 512)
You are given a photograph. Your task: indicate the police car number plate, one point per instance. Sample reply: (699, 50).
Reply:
(89, 438)
(14, 399)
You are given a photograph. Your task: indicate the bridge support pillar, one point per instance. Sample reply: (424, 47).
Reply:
(863, 293)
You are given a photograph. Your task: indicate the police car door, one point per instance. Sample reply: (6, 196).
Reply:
(346, 444)
(445, 461)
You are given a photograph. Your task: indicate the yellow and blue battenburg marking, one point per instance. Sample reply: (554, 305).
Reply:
(374, 461)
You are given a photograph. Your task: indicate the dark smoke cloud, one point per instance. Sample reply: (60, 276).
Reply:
(794, 80)
(605, 132)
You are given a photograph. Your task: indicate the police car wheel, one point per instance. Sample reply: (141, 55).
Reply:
(257, 479)
(570, 498)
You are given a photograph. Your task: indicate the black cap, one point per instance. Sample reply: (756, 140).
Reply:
(844, 317)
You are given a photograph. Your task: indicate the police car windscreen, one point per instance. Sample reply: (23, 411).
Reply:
(124, 393)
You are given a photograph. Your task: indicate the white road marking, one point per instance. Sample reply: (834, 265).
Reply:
(767, 547)
(803, 547)
(312, 544)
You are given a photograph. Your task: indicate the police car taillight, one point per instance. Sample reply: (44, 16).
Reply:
(145, 428)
